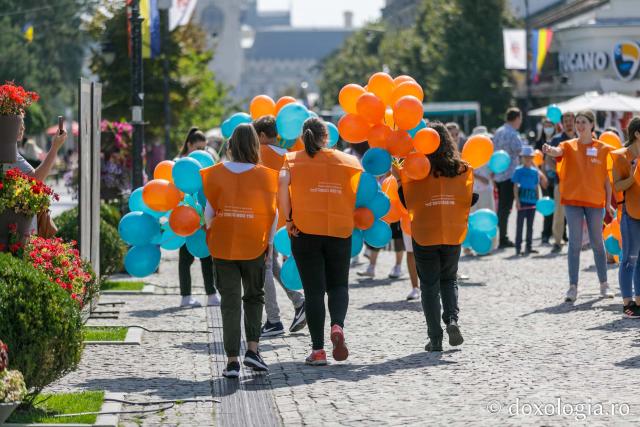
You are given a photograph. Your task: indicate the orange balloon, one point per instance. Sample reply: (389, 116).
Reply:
(262, 105)
(382, 85)
(401, 79)
(184, 221)
(348, 97)
(163, 170)
(538, 158)
(606, 232)
(426, 140)
(284, 101)
(353, 128)
(405, 224)
(363, 218)
(161, 195)
(615, 229)
(388, 118)
(399, 143)
(378, 136)
(416, 166)
(394, 214)
(611, 138)
(370, 107)
(409, 88)
(477, 151)
(407, 112)
(390, 188)
(298, 146)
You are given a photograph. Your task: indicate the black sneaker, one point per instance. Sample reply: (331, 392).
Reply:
(455, 337)
(544, 240)
(506, 244)
(434, 345)
(272, 329)
(556, 248)
(254, 361)
(232, 370)
(631, 311)
(299, 320)
(531, 251)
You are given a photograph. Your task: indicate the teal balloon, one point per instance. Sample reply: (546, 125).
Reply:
(554, 114)
(138, 228)
(467, 240)
(136, 203)
(282, 242)
(186, 175)
(415, 130)
(492, 233)
(290, 120)
(367, 189)
(288, 143)
(612, 246)
(290, 275)
(205, 159)
(197, 244)
(480, 242)
(499, 161)
(357, 241)
(142, 261)
(202, 200)
(334, 135)
(229, 125)
(170, 241)
(379, 205)
(379, 235)
(376, 161)
(483, 220)
(546, 206)
(311, 114)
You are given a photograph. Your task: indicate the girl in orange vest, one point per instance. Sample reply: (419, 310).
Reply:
(584, 190)
(241, 212)
(317, 195)
(445, 196)
(625, 179)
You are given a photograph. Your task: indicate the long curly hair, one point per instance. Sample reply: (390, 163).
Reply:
(446, 160)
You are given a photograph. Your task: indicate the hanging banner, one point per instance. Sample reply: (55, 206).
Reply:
(181, 12)
(515, 49)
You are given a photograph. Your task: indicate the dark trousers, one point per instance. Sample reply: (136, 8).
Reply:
(241, 286)
(323, 263)
(185, 259)
(547, 229)
(525, 215)
(505, 203)
(437, 269)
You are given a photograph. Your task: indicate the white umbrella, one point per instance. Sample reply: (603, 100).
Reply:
(595, 101)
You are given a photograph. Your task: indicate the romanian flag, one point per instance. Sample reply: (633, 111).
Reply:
(150, 28)
(27, 30)
(540, 43)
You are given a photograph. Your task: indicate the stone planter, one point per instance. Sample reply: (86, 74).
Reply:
(9, 129)
(24, 223)
(6, 409)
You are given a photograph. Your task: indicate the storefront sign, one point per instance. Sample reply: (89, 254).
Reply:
(573, 62)
(624, 58)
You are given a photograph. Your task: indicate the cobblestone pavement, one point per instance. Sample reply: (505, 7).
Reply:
(528, 358)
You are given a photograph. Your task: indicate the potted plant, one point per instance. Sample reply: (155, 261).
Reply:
(14, 100)
(12, 387)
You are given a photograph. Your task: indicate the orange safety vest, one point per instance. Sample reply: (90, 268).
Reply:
(323, 191)
(622, 159)
(245, 207)
(583, 177)
(439, 208)
(270, 158)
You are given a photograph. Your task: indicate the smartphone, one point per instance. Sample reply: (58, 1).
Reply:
(60, 125)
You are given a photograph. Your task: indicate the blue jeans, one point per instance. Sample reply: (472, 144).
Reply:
(629, 261)
(594, 217)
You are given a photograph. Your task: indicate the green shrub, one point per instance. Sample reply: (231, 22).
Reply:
(39, 322)
(110, 213)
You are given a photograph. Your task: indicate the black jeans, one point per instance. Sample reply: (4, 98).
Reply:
(185, 259)
(547, 229)
(437, 269)
(505, 203)
(528, 215)
(323, 263)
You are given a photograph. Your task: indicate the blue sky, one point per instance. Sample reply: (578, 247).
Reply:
(310, 13)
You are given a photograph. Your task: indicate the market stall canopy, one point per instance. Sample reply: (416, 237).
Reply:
(54, 129)
(595, 101)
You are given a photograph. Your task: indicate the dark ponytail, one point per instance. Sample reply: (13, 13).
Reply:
(314, 135)
(194, 135)
(632, 128)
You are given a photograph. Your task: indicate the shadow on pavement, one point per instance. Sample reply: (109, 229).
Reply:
(370, 283)
(620, 325)
(164, 387)
(394, 306)
(160, 312)
(567, 307)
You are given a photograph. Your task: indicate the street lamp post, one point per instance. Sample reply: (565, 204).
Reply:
(527, 103)
(137, 93)
(164, 6)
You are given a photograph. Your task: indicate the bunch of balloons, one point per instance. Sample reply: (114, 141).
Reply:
(483, 227)
(167, 212)
(613, 237)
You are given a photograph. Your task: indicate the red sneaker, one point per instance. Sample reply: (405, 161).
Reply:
(340, 350)
(316, 358)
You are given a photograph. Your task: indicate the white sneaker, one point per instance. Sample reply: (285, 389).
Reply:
(396, 272)
(369, 272)
(605, 291)
(188, 301)
(213, 300)
(572, 294)
(413, 295)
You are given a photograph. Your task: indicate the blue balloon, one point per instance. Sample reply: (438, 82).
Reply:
(612, 246)
(141, 261)
(554, 114)
(197, 244)
(376, 161)
(483, 220)
(311, 114)
(499, 161)
(379, 205)
(480, 242)
(136, 203)
(367, 189)
(186, 175)
(467, 240)
(138, 228)
(171, 241)
(290, 120)
(202, 200)
(546, 206)
(282, 242)
(492, 233)
(357, 242)
(229, 125)
(285, 143)
(415, 130)
(290, 275)
(334, 135)
(378, 235)
(205, 159)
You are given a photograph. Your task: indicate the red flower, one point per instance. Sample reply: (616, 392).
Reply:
(13, 227)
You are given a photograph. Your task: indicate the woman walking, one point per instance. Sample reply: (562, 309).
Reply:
(317, 195)
(241, 211)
